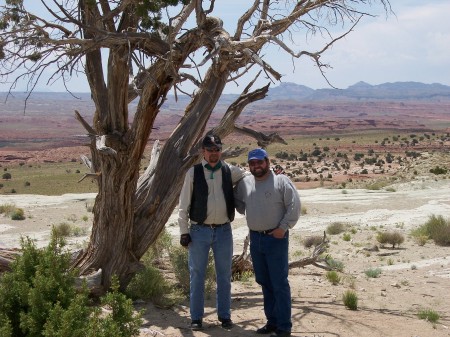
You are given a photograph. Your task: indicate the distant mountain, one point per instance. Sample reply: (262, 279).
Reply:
(363, 91)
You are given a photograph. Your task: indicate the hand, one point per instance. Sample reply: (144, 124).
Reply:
(185, 239)
(278, 233)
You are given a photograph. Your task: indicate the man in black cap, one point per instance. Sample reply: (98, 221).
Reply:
(206, 209)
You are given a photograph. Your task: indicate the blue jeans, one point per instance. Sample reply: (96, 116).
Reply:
(220, 239)
(271, 266)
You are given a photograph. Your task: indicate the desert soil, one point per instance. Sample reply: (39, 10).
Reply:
(413, 277)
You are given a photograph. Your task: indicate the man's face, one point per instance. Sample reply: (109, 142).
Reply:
(212, 155)
(259, 168)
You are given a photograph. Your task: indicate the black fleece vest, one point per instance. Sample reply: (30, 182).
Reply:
(199, 199)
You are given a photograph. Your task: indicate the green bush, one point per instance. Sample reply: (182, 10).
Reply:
(350, 300)
(150, 283)
(392, 237)
(333, 277)
(7, 209)
(373, 272)
(334, 264)
(439, 230)
(436, 228)
(313, 240)
(10, 210)
(428, 314)
(18, 214)
(63, 229)
(6, 176)
(336, 228)
(438, 170)
(39, 298)
(179, 260)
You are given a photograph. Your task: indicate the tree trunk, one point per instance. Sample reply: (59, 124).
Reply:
(113, 221)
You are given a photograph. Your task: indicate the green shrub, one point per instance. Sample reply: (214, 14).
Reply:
(10, 210)
(438, 170)
(346, 237)
(179, 260)
(245, 277)
(150, 283)
(18, 214)
(6, 176)
(336, 228)
(313, 240)
(439, 230)
(350, 300)
(421, 240)
(39, 298)
(7, 209)
(63, 229)
(333, 277)
(121, 320)
(373, 272)
(391, 237)
(429, 315)
(334, 264)
(436, 228)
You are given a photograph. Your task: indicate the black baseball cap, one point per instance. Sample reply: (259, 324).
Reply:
(211, 141)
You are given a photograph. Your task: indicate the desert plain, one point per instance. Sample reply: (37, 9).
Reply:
(400, 198)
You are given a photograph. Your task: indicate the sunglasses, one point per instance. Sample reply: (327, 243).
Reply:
(213, 149)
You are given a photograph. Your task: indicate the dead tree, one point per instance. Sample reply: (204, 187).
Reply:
(242, 263)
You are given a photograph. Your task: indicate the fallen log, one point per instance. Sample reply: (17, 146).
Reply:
(242, 263)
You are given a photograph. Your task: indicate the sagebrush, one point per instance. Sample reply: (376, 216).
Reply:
(39, 298)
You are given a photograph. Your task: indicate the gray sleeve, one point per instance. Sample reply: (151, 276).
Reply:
(292, 205)
(238, 197)
(237, 173)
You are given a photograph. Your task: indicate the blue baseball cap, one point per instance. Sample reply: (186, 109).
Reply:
(257, 154)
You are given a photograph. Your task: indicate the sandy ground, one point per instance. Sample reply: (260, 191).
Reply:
(413, 277)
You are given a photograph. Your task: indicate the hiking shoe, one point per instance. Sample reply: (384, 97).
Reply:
(281, 333)
(226, 323)
(266, 329)
(196, 325)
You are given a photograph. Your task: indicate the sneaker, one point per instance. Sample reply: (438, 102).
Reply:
(266, 329)
(281, 333)
(226, 323)
(196, 325)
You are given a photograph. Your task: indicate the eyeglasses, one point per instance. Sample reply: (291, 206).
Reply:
(213, 149)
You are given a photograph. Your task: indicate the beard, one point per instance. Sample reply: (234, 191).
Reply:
(260, 171)
(213, 159)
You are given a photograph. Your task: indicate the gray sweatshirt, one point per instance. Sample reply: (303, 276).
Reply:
(269, 203)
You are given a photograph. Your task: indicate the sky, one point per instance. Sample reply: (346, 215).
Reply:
(413, 44)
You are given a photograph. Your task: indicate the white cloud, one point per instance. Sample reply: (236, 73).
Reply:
(414, 45)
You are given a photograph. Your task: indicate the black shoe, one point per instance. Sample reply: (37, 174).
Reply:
(226, 323)
(280, 333)
(266, 329)
(196, 325)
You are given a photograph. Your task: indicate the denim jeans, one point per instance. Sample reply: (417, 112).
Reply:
(220, 239)
(271, 267)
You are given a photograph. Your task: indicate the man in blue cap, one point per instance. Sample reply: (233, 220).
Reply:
(272, 206)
